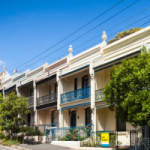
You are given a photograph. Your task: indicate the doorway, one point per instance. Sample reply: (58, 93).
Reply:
(73, 118)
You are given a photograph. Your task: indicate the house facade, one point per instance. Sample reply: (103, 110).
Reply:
(69, 92)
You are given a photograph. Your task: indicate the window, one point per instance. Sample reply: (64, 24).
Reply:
(87, 116)
(50, 89)
(121, 126)
(85, 81)
(75, 84)
(75, 87)
(54, 117)
(56, 87)
(31, 92)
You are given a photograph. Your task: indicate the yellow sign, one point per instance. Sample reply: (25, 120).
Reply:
(105, 137)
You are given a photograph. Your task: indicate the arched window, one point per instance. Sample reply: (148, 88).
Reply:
(85, 81)
(87, 116)
(54, 117)
(73, 119)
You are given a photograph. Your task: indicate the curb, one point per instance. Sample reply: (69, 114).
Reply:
(20, 148)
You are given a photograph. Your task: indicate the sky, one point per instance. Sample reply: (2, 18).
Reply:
(39, 31)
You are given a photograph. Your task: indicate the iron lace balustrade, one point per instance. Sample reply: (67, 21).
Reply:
(76, 94)
(31, 101)
(46, 99)
(99, 94)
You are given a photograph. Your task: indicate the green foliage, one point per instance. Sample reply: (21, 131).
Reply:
(12, 111)
(112, 139)
(2, 135)
(123, 34)
(30, 131)
(74, 134)
(10, 142)
(1, 98)
(128, 91)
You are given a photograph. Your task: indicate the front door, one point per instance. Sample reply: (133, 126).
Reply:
(87, 116)
(29, 119)
(73, 118)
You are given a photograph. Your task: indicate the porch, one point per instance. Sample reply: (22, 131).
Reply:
(46, 92)
(76, 85)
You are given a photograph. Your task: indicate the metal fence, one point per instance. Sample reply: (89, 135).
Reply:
(46, 99)
(76, 95)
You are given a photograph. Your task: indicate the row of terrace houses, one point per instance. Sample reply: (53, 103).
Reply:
(70, 90)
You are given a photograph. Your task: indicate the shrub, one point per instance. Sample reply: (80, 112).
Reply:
(30, 131)
(124, 34)
(2, 135)
(10, 142)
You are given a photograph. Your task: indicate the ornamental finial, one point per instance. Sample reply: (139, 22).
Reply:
(15, 71)
(70, 49)
(104, 36)
(4, 68)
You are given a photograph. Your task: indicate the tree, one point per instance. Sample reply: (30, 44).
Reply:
(1, 98)
(123, 34)
(128, 91)
(12, 111)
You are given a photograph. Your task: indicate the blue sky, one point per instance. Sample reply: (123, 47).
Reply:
(27, 28)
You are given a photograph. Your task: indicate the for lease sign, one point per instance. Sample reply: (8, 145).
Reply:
(105, 139)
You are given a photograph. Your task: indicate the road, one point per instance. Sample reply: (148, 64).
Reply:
(44, 147)
(6, 148)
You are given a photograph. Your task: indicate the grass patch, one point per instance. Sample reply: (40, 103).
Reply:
(10, 142)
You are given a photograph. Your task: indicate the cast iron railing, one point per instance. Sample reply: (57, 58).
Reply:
(46, 99)
(99, 94)
(31, 101)
(76, 94)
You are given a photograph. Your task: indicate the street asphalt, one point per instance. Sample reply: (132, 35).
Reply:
(43, 147)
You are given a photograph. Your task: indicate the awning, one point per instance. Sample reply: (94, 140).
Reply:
(10, 89)
(102, 106)
(1, 91)
(13, 87)
(21, 86)
(74, 71)
(47, 108)
(115, 62)
(75, 106)
(46, 79)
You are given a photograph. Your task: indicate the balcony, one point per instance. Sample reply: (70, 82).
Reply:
(47, 99)
(76, 95)
(99, 95)
(31, 101)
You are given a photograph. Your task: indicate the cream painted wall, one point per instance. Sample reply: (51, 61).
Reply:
(45, 116)
(105, 119)
(43, 89)
(68, 82)
(66, 118)
(80, 112)
(25, 91)
(101, 79)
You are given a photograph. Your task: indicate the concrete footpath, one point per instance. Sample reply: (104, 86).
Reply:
(43, 147)
(6, 148)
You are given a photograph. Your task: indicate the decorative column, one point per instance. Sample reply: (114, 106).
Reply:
(17, 90)
(93, 114)
(58, 98)
(4, 93)
(35, 110)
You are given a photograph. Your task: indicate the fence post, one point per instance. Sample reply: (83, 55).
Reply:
(135, 143)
